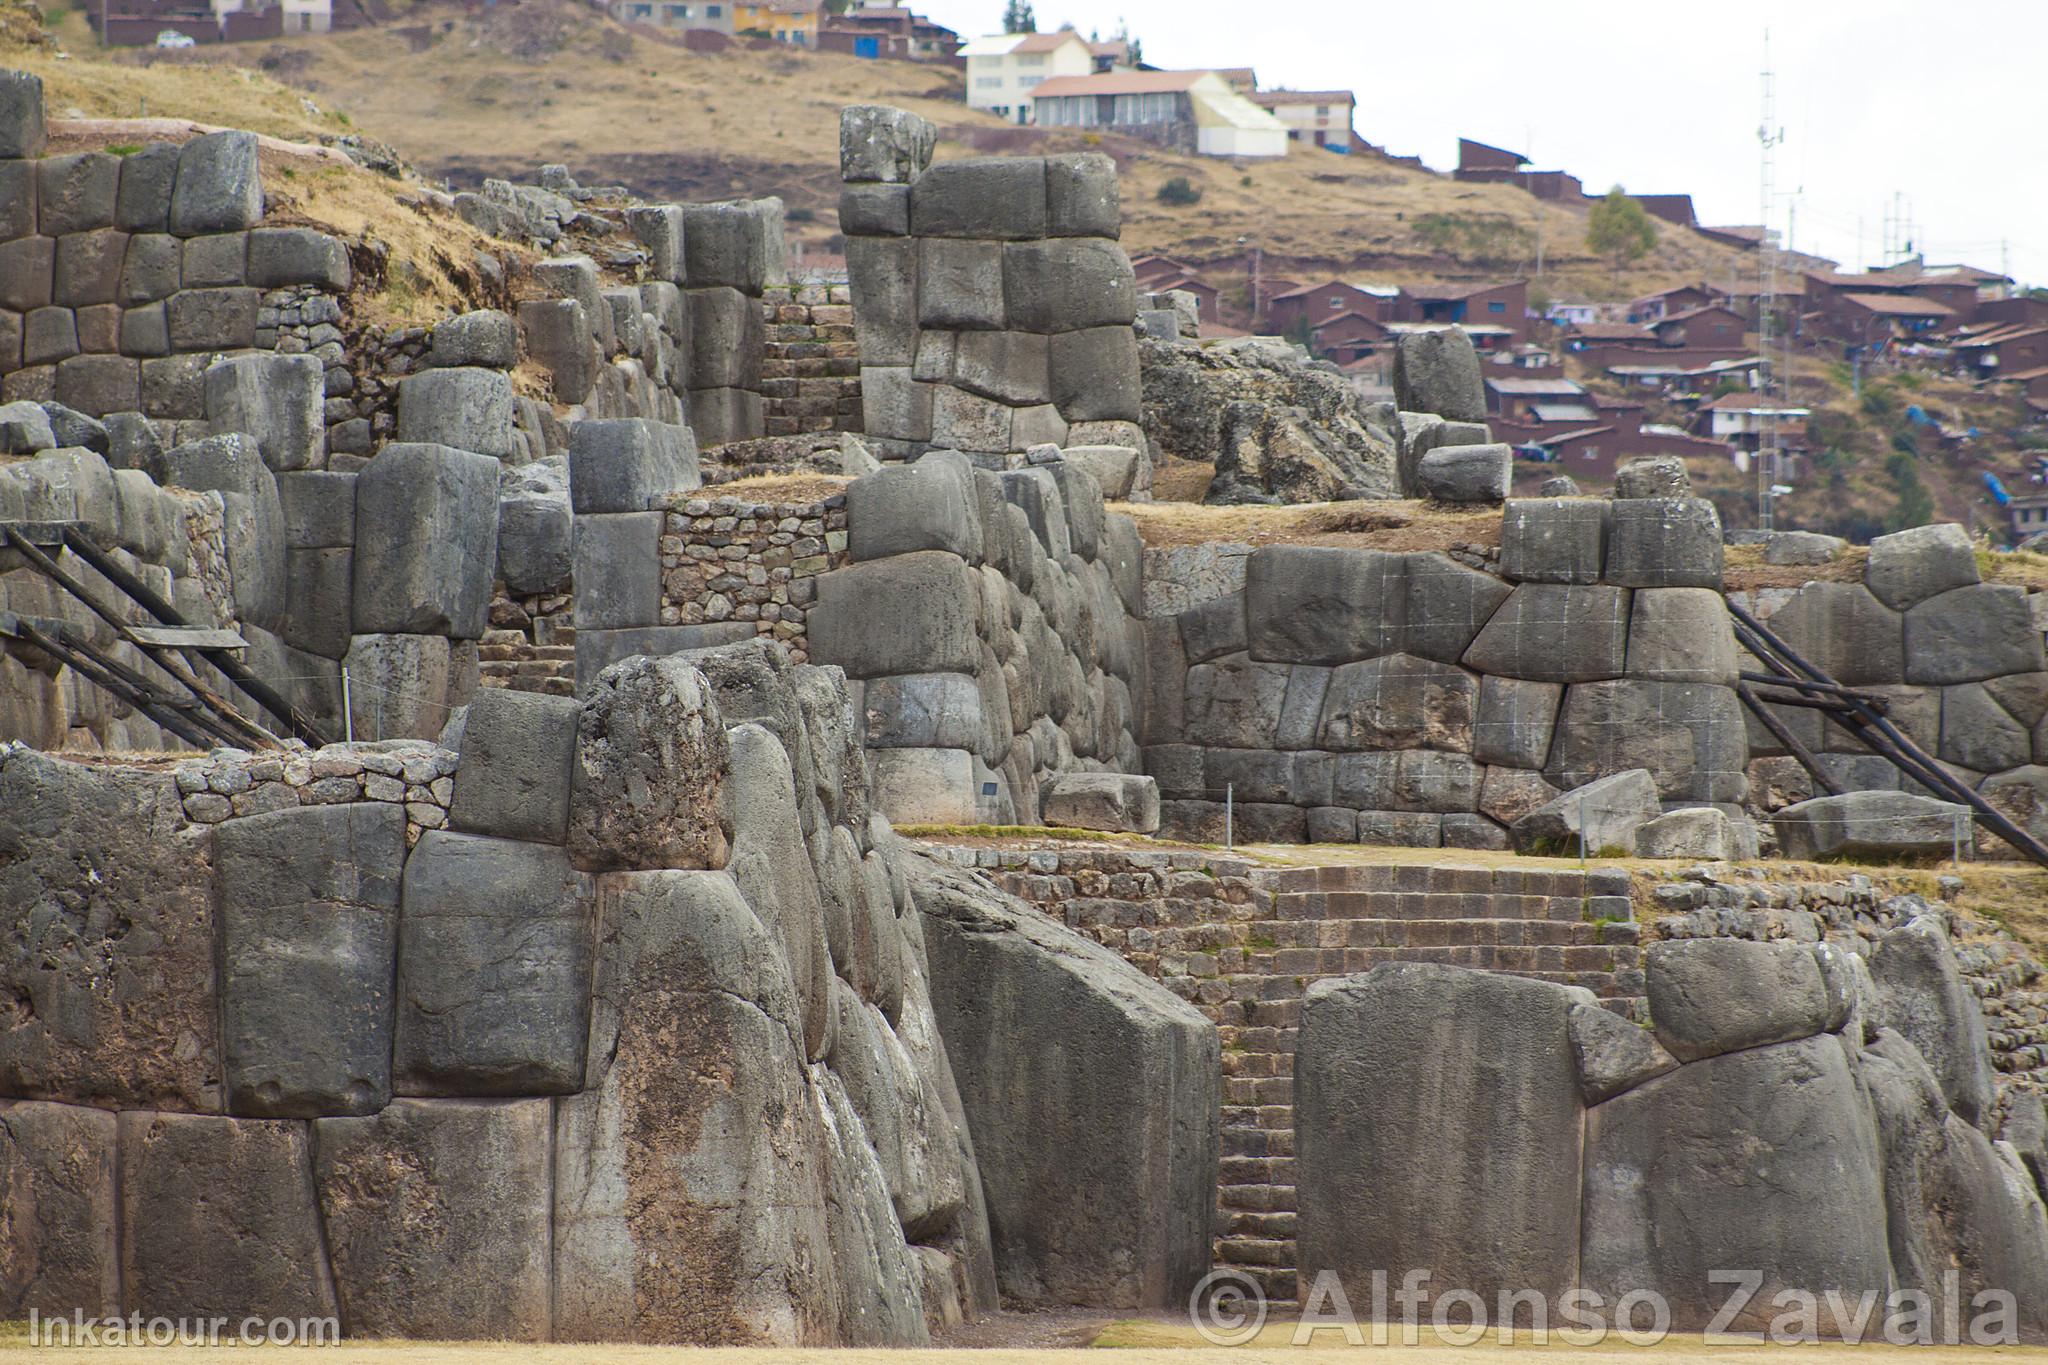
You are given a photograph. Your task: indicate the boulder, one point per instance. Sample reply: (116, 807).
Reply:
(1802, 548)
(436, 1215)
(1116, 802)
(242, 1189)
(1461, 474)
(1437, 370)
(494, 968)
(117, 1019)
(426, 541)
(465, 407)
(651, 754)
(880, 1285)
(1763, 1160)
(1409, 1075)
(278, 399)
(1872, 824)
(1681, 635)
(233, 466)
(629, 465)
(309, 937)
(1654, 476)
(1979, 734)
(1714, 995)
(1092, 1095)
(1699, 833)
(536, 540)
(217, 189)
(57, 1246)
(1922, 995)
(1691, 736)
(1614, 1055)
(1601, 815)
(23, 132)
(910, 613)
(484, 338)
(1907, 568)
(927, 505)
(878, 143)
(924, 711)
(518, 752)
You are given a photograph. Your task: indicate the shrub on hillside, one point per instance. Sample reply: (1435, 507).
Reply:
(1179, 191)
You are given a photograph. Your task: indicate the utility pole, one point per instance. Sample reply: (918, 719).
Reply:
(1768, 138)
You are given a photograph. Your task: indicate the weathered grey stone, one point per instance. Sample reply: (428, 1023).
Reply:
(926, 786)
(1681, 635)
(242, 1189)
(1763, 1159)
(597, 650)
(659, 228)
(1871, 824)
(1081, 196)
(1437, 370)
(1106, 801)
(650, 755)
(629, 465)
(1554, 632)
(233, 466)
(1475, 473)
(1095, 375)
(17, 199)
(1553, 540)
(1116, 469)
(1098, 1156)
(99, 383)
(89, 267)
(1012, 367)
(986, 197)
(1235, 703)
(926, 505)
(484, 338)
(1972, 633)
(1398, 701)
(875, 210)
(1691, 736)
(463, 407)
(1802, 548)
(1842, 629)
(150, 268)
(1412, 1069)
(878, 143)
(1213, 629)
(1715, 995)
(319, 584)
(1320, 605)
(1907, 568)
(960, 284)
(319, 508)
(426, 541)
(281, 257)
(1444, 605)
(1508, 794)
(518, 751)
(436, 1215)
(25, 429)
(217, 188)
(57, 1164)
(1653, 476)
(1600, 815)
(1979, 734)
(911, 613)
(726, 338)
(220, 259)
(23, 132)
(650, 1172)
(738, 244)
(76, 192)
(1697, 833)
(309, 934)
(49, 336)
(1664, 543)
(213, 319)
(880, 1286)
(721, 416)
(558, 336)
(1515, 721)
(882, 276)
(1082, 497)
(923, 711)
(534, 542)
(494, 966)
(894, 406)
(1922, 995)
(782, 889)
(1614, 1055)
(278, 399)
(1067, 284)
(403, 686)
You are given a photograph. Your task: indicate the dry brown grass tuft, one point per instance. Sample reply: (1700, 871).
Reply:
(1402, 525)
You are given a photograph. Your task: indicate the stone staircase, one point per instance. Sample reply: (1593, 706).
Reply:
(1571, 927)
(510, 658)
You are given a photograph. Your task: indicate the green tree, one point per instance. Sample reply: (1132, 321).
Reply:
(1618, 229)
(1018, 18)
(1180, 191)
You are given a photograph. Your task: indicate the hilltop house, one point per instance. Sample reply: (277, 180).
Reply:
(1003, 69)
(885, 28)
(1309, 306)
(1188, 111)
(715, 16)
(1321, 118)
(786, 21)
(1712, 327)
(1496, 315)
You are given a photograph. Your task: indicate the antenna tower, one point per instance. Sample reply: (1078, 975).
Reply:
(1768, 136)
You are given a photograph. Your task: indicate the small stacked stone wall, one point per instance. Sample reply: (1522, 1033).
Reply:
(810, 369)
(725, 559)
(994, 305)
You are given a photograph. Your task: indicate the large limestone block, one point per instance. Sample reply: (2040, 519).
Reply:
(404, 686)
(911, 613)
(925, 786)
(690, 1199)
(1515, 721)
(1681, 635)
(233, 466)
(926, 505)
(1553, 540)
(1094, 375)
(923, 711)
(1233, 702)
(110, 959)
(436, 1215)
(615, 557)
(1972, 633)
(23, 131)
(217, 189)
(1444, 605)
(1697, 833)
(493, 968)
(629, 465)
(309, 938)
(1664, 543)
(1437, 370)
(1010, 367)
(1715, 995)
(1614, 1054)
(880, 1283)
(1921, 994)
(882, 276)
(881, 144)
(1398, 701)
(278, 399)
(1452, 1095)
(1979, 734)
(651, 755)
(426, 541)
(987, 197)
(57, 1177)
(959, 284)
(536, 540)
(1601, 815)
(1555, 632)
(1068, 284)
(1105, 801)
(1763, 1160)
(1908, 567)
(1081, 196)
(1691, 737)
(518, 753)
(1092, 1096)
(771, 871)
(737, 245)
(1874, 824)
(1466, 473)
(1842, 629)
(1322, 605)
(465, 408)
(218, 1217)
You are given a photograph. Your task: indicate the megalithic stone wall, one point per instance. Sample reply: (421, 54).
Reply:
(994, 305)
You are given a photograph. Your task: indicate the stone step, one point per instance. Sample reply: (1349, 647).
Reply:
(1256, 1198)
(1426, 933)
(1261, 1251)
(1508, 879)
(1566, 908)
(1278, 1226)
(1519, 958)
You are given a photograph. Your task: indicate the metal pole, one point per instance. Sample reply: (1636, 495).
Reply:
(348, 711)
(1582, 833)
(1229, 812)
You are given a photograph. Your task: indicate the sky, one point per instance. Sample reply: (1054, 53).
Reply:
(1943, 105)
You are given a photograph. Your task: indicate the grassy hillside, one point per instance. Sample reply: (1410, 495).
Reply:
(499, 91)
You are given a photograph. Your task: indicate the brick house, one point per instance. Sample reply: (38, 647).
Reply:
(1713, 327)
(1308, 306)
(1208, 298)
(701, 16)
(786, 21)
(884, 28)
(1349, 337)
(1875, 319)
(1997, 350)
(1472, 306)
(1538, 400)
(1684, 298)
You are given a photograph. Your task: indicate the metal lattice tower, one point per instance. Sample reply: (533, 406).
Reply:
(1769, 137)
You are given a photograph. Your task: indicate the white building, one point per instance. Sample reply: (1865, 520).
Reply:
(1003, 69)
(1321, 118)
(1190, 111)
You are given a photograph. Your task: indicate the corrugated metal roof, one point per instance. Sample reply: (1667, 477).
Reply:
(1121, 83)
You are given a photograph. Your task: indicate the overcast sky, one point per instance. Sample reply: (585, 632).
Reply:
(1943, 103)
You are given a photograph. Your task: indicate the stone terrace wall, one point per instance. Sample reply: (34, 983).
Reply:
(1412, 698)
(725, 559)
(810, 370)
(994, 305)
